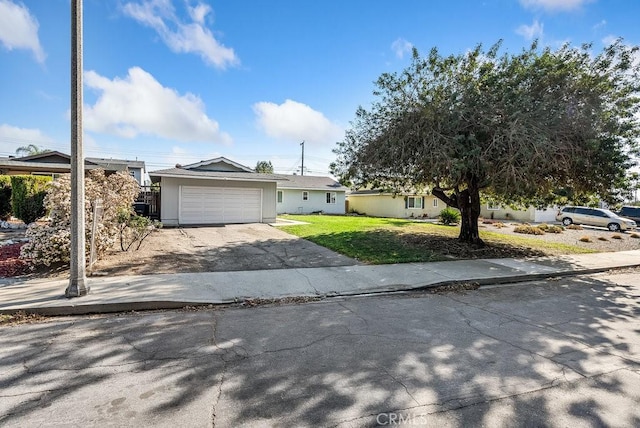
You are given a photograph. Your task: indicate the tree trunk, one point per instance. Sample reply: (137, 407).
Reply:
(469, 206)
(468, 202)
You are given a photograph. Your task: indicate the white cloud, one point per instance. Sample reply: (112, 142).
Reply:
(554, 5)
(530, 32)
(401, 46)
(294, 121)
(180, 36)
(609, 40)
(12, 137)
(23, 135)
(140, 105)
(600, 25)
(19, 29)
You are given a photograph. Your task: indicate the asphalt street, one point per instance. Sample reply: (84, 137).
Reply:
(559, 352)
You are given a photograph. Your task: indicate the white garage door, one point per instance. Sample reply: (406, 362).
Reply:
(209, 205)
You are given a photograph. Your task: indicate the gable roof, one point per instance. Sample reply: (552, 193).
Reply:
(214, 175)
(51, 156)
(309, 182)
(25, 167)
(215, 165)
(58, 162)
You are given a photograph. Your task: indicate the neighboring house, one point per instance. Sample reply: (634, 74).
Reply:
(378, 203)
(215, 191)
(53, 163)
(494, 211)
(136, 168)
(304, 194)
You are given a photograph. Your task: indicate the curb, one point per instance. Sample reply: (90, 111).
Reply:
(104, 308)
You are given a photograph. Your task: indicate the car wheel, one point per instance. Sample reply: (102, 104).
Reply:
(614, 227)
(567, 221)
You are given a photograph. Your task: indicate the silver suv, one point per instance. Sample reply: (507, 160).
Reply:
(595, 217)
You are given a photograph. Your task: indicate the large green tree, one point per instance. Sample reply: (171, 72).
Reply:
(515, 127)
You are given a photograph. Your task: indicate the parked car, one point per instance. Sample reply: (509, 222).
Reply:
(595, 217)
(632, 213)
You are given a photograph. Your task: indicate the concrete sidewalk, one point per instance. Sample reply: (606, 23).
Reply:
(122, 293)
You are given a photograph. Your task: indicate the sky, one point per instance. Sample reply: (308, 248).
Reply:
(180, 81)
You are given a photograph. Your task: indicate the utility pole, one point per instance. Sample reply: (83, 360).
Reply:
(77, 279)
(302, 168)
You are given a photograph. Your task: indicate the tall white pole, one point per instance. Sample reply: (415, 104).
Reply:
(77, 281)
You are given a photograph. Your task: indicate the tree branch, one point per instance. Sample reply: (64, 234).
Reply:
(452, 200)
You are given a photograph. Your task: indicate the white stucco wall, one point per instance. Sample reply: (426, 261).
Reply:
(389, 206)
(292, 202)
(169, 196)
(530, 214)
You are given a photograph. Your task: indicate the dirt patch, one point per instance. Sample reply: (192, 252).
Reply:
(452, 248)
(600, 240)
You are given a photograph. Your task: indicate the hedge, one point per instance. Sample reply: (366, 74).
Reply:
(5, 197)
(27, 196)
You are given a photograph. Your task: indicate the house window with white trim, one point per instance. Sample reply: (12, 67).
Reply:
(305, 195)
(414, 202)
(279, 196)
(435, 203)
(492, 206)
(331, 197)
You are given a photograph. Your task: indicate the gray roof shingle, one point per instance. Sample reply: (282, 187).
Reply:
(311, 182)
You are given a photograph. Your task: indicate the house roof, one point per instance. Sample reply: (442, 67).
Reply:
(215, 175)
(58, 162)
(309, 182)
(380, 192)
(117, 163)
(8, 165)
(219, 160)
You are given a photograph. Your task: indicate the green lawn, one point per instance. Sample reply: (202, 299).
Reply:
(385, 240)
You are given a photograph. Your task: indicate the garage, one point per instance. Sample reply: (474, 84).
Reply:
(216, 191)
(211, 205)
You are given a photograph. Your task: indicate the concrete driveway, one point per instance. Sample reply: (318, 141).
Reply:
(234, 247)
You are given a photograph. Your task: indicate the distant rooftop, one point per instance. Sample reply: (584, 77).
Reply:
(310, 182)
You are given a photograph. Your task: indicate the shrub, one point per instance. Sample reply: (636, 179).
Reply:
(5, 197)
(616, 236)
(499, 225)
(553, 229)
(449, 216)
(574, 227)
(634, 235)
(50, 243)
(585, 239)
(134, 229)
(543, 226)
(530, 230)
(602, 238)
(27, 196)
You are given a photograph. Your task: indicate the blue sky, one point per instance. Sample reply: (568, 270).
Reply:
(179, 81)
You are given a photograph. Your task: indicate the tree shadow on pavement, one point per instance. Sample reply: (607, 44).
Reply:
(523, 354)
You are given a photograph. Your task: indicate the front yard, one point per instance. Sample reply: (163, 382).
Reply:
(386, 240)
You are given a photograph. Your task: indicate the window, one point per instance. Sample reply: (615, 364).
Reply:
(414, 202)
(435, 203)
(279, 196)
(492, 206)
(305, 195)
(331, 197)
